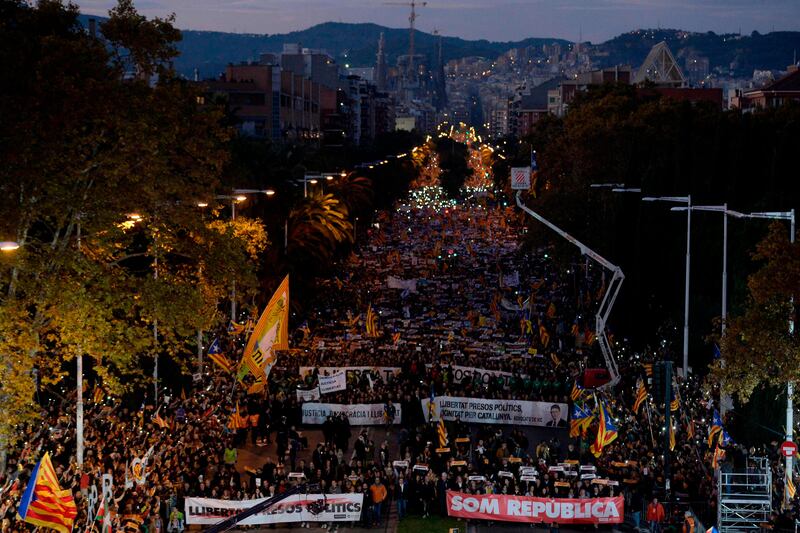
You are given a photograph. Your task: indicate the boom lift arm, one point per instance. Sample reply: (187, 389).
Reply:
(610, 296)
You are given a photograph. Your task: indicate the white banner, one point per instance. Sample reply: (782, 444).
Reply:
(335, 382)
(512, 412)
(338, 508)
(461, 373)
(308, 395)
(409, 285)
(383, 371)
(359, 414)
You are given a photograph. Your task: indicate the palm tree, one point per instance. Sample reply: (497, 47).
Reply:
(317, 227)
(354, 191)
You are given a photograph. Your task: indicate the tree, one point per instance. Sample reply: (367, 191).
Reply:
(354, 191)
(84, 144)
(317, 227)
(758, 348)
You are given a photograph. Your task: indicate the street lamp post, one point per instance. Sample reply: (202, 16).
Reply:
(774, 215)
(239, 195)
(133, 218)
(688, 201)
(790, 216)
(725, 400)
(79, 385)
(313, 179)
(725, 212)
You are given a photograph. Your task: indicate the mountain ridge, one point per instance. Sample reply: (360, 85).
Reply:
(356, 44)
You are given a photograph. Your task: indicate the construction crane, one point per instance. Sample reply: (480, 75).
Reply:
(411, 18)
(610, 296)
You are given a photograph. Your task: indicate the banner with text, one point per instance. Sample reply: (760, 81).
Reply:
(484, 375)
(535, 510)
(332, 383)
(383, 371)
(481, 411)
(308, 395)
(338, 508)
(364, 414)
(409, 285)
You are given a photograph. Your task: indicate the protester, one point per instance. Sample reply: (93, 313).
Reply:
(461, 312)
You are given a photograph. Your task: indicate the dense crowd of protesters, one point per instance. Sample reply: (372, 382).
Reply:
(476, 301)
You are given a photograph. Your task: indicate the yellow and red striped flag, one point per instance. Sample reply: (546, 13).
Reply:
(216, 355)
(719, 455)
(577, 392)
(606, 431)
(641, 396)
(160, 422)
(237, 421)
(544, 336)
(442, 431)
(372, 323)
(44, 504)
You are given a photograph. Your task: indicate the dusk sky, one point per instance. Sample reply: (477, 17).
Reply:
(479, 19)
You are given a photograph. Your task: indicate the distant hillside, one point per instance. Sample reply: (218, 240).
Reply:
(356, 45)
(730, 52)
(353, 44)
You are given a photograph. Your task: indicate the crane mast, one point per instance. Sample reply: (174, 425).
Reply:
(410, 73)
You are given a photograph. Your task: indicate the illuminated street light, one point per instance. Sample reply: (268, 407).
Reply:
(202, 204)
(239, 195)
(8, 246)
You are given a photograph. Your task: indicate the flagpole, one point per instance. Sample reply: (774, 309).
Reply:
(79, 393)
(650, 425)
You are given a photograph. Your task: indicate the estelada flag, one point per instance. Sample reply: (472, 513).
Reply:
(606, 431)
(581, 419)
(577, 392)
(270, 334)
(716, 427)
(44, 504)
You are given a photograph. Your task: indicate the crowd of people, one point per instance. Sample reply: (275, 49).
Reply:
(431, 290)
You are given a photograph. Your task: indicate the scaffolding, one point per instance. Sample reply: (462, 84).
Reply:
(745, 498)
